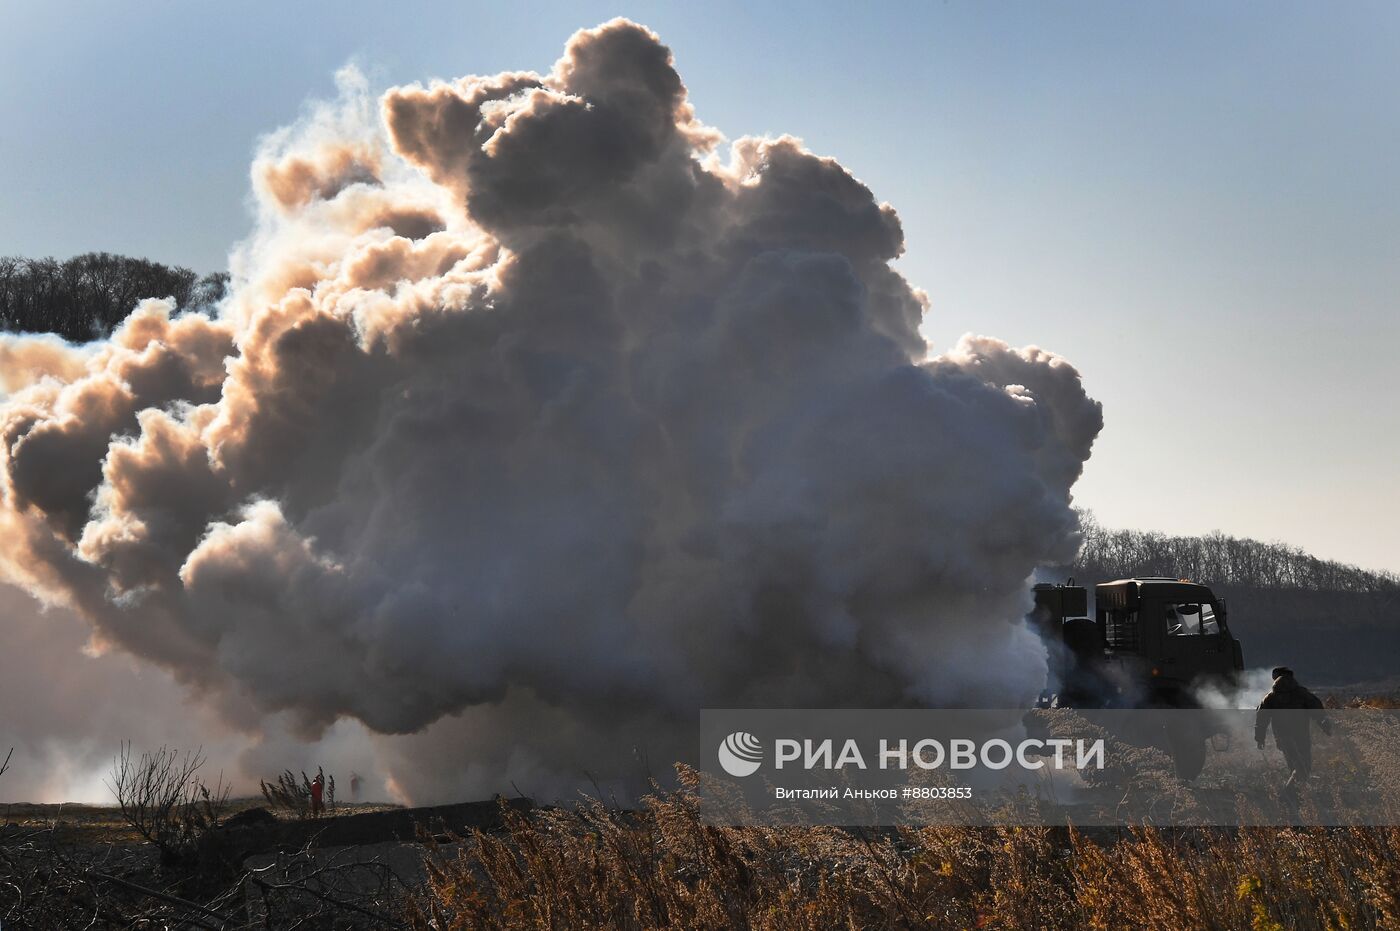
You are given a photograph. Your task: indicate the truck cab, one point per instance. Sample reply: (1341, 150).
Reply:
(1150, 640)
(1173, 632)
(1149, 644)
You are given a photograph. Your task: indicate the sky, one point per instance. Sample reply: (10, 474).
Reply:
(1197, 204)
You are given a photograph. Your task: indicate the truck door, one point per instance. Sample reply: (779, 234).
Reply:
(1194, 643)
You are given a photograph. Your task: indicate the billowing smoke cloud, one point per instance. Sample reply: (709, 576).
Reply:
(530, 409)
(67, 709)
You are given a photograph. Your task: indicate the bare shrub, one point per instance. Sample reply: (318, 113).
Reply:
(163, 800)
(47, 884)
(51, 878)
(287, 794)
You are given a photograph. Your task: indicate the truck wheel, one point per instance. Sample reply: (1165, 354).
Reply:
(1188, 750)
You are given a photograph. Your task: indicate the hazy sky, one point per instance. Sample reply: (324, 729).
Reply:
(1198, 204)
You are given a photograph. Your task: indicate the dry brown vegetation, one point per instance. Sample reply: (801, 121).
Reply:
(594, 867)
(286, 794)
(167, 856)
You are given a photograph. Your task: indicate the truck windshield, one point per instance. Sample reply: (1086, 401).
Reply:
(1191, 620)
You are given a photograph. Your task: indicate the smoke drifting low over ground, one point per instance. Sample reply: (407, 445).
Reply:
(537, 419)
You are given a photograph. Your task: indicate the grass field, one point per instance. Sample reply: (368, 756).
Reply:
(83, 825)
(661, 866)
(596, 868)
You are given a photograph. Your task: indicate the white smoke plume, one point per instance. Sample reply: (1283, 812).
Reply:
(67, 709)
(537, 421)
(1245, 692)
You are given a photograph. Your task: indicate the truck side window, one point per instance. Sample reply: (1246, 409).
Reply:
(1191, 620)
(1209, 625)
(1121, 629)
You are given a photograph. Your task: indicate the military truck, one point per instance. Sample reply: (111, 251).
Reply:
(1151, 643)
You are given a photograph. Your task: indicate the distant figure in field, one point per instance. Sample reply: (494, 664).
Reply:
(1281, 708)
(318, 785)
(354, 787)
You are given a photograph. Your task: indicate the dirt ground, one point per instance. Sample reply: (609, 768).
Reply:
(79, 824)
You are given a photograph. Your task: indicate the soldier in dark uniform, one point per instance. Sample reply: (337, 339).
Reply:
(1287, 708)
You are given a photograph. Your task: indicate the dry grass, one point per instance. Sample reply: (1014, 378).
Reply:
(593, 867)
(95, 825)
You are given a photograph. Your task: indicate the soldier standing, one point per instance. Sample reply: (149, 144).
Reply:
(317, 788)
(1291, 732)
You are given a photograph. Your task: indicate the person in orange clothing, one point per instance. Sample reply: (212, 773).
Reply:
(317, 785)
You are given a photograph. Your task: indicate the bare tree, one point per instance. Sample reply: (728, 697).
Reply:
(1219, 559)
(162, 798)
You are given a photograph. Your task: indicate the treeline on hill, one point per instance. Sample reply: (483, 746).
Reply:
(1224, 559)
(86, 296)
(1335, 623)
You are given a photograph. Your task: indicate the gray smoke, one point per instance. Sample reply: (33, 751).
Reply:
(533, 415)
(67, 708)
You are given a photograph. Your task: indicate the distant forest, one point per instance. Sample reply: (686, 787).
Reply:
(1222, 559)
(85, 297)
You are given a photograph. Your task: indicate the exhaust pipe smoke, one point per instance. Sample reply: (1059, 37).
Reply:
(538, 421)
